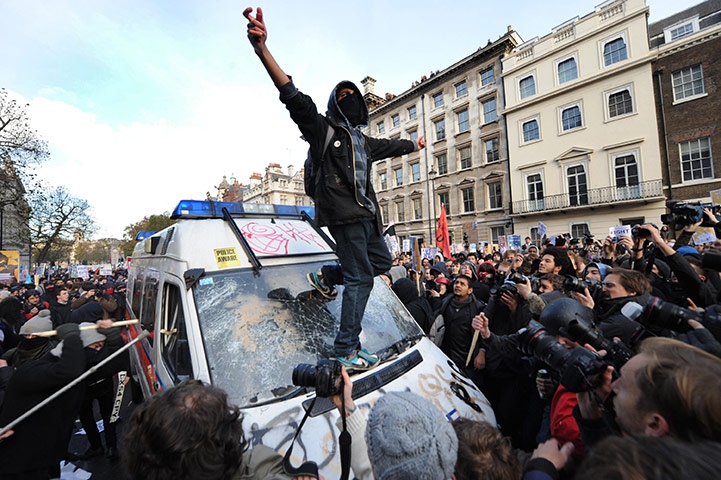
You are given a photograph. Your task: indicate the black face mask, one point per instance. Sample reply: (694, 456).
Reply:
(32, 343)
(352, 108)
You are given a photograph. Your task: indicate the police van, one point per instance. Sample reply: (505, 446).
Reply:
(225, 296)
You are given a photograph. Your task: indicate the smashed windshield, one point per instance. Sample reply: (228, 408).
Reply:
(256, 329)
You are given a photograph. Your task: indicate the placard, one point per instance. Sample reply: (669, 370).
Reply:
(429, 253)
(502, 243)
(106, 270)
(715, 196)
(514, 242)
(541, 229)
(473, 248)
(407, 245)
(704, 235)
(622, 231)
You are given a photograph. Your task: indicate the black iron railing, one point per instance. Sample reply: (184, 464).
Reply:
(591, 197)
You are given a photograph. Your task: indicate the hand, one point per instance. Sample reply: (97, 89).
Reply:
(479, 363)
(510, 301)
(421, 142)
(6, 435)
(444, 288)
(34, 311)
(626, 241)
(257, 34)
(524, 289)
(3, 363)
(584, 298)
(691, 227)
(609, 249)
(104, 323)
(586, 402)
(433, 293)
(517, 262)
(655, 234)
(710, 215)
(696, 308)
(347, 394)
(480, 323)
(551, 452)
(90, 293)
(545, 387)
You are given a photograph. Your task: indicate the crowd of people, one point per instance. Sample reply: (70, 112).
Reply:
(43, 349)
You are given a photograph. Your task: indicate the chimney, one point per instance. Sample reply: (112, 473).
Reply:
(368, 85)
(290, 171)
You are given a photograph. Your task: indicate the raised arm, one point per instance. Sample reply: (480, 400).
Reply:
(258, 34)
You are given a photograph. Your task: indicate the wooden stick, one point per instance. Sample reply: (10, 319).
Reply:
(121, 323)
(473, 346)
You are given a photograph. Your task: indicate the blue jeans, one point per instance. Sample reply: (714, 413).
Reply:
(363, 254)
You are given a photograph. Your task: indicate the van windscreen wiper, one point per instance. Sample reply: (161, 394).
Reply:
(252, 258)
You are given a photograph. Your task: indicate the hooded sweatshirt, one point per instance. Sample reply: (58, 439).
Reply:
(417, 306)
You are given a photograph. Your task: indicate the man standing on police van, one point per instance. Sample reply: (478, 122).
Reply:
(344, 198)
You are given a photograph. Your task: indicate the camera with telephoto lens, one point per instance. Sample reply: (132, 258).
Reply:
(688, 213)
(517, 277)
(326, 377)
(432, 285)
(580, 369)
(575, 284)
(657, 314)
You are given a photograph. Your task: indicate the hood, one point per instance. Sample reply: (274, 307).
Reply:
(441, 268)
(406, 290)
(602, 269)
(90, 312)
(334, 109)
(397, 273)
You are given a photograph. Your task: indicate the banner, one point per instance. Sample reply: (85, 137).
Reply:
(106, 270)
(542, 229)
(416, 254)
(442, 234)
(715, 196)
(704, 235)
(429, 253)
(622, 231)
(9, 266)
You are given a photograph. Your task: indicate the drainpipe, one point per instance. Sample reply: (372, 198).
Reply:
(667, 164)
(431, 237)
(505, 142)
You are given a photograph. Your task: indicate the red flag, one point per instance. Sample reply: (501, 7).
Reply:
(442, 234)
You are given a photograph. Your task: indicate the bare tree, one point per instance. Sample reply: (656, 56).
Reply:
(56, 215)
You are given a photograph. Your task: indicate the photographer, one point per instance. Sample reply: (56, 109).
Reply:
(33, 305)
(93, 294)
(688, 271)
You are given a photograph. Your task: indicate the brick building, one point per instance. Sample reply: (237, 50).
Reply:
(687, 77)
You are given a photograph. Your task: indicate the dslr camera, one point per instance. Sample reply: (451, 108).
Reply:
(575, 284)
(325, 377)
(517, 277)
(657, 314)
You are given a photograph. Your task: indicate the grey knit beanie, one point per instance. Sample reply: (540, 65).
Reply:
(409, 438)
(39, 323)
(90, 336)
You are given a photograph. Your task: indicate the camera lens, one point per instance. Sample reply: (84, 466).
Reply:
(304, 375)
(667, 315)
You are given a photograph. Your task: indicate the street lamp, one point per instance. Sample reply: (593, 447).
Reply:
(432, 204)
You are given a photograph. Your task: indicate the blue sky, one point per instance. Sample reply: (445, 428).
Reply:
(144, 103)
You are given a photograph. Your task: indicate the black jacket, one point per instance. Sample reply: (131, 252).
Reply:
(59, 313)
(613, 323)
(417, 306)
(457, 318)
(337, 200)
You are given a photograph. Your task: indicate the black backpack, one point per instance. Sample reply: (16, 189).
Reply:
(311, 173)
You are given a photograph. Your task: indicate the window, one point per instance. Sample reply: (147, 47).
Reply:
(298, 200)
(626, 173)
(400, 213)
(438, 100)
(579, 230)
(487, 77)
(417, 209)
(696, 159)
(416, 172)
(442, 162)
(413, 136)
(491, 150)
(396, 119)
(469, 203)
(577, 186)
(384, 214)
(530, 130)
(535, 238)
(687, 82)
(175, 350)
(535, 191)
(381, 127)
(681, 31)
(497, 232)
(620, 103)
(464, 157)
(150, 297)
(489, 110)
(440, 127)
(463, 124)
(284, 199)
(527, 86)
(444, 200)
(399, 176)
(567, 70)
(461, 89)
(412, 112)
(571, 118)
(495, 196)
(614, 51)
(384, 180)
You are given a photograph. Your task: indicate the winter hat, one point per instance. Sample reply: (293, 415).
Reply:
(4, 294)
(409, 438)
(30, 293)
(39, 323)
(602, 269)
(405, 290)
(90, 336)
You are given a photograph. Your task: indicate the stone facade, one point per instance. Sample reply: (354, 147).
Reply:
(274, 187)
(582, 137)
(465, 163)
(687, 79)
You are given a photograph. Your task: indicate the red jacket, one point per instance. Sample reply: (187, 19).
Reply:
(563, 426)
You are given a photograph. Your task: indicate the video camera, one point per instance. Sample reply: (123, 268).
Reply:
(326, 377)
(688, 213)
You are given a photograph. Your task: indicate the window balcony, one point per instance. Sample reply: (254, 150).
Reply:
(594, 197)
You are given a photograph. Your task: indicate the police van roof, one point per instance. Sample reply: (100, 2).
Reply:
(213, 209)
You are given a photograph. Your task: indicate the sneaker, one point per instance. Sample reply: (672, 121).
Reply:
(359, 361)
(316, 281)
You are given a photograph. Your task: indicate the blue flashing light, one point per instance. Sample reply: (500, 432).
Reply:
(144, 235)
(212, 209)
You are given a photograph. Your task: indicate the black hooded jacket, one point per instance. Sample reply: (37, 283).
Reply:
(417, 306)
(338, 199)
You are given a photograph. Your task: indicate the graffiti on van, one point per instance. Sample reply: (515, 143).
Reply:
(287, 237)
